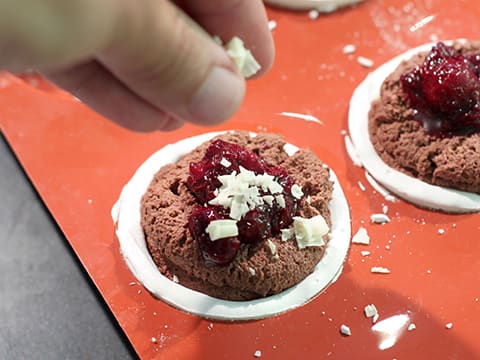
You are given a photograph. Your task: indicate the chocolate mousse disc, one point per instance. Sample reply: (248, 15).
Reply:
(256, 271)
(401, 142)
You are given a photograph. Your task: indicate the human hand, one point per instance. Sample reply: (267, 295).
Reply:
(145, 64)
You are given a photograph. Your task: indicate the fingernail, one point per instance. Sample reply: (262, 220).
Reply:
(217, 98)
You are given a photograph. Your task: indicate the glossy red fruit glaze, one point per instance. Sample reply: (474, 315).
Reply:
(256, 225)
(218, 252)
(445, 92)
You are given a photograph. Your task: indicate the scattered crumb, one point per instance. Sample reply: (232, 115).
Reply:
(313, 14)
(429, 271)
(380, 270)
(441, 231)
(448, 325)
(287, 234)
(175, 279)
(210, 326)
(272, 25)
(257, 354)
(370, 310)
(154, 340)
(365, 252)
(379, 218)
(361, 186)
(139, 292)
(411, 327)
(375, 318)
(390, 198)
(361, 237)
(272, 246)
(385, 209)
(365, 62)
(225, 163)
(345, 330)
(132, 283)
(251, 271)
(89, 201)
(387, 247)
(349, 49)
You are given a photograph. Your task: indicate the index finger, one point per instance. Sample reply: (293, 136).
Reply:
(246, 19)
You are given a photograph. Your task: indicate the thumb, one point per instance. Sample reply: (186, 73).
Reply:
(169, 61)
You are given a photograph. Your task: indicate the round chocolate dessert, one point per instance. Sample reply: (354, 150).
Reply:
(414, 125)
(426, 122)
(238, 218)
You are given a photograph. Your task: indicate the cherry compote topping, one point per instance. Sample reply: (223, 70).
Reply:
(256, 225)
(445, 92)
(219, 252)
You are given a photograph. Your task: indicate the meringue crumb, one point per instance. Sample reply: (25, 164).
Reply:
(313, 14)
(175, 279)
(225, 163)
(361, 186)
(345, 330)
(380, 270)
(257, 354)
(365, 62)
(361, 237)
(370, 310)
(379, 218)
(153, 340)
(365, 253)
(287, 234)
(272, 25)
(448, 325)
(272, 246)
(349, 49)
(411, 327)
(441, 231)
(251, 271)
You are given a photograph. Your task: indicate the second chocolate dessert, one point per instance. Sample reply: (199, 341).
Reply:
(427, 121)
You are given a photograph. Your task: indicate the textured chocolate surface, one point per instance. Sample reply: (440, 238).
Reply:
(167, 204)
(401, 142)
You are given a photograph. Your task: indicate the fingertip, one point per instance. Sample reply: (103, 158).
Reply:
(217, 98)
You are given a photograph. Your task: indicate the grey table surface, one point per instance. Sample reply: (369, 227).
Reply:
(49, 309)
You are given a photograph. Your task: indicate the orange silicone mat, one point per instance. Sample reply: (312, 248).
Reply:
(79, 161)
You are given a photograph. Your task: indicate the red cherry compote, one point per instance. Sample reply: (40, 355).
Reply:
(445, 92)
(255, 226)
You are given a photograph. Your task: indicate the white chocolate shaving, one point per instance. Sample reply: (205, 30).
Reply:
(242, 57)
